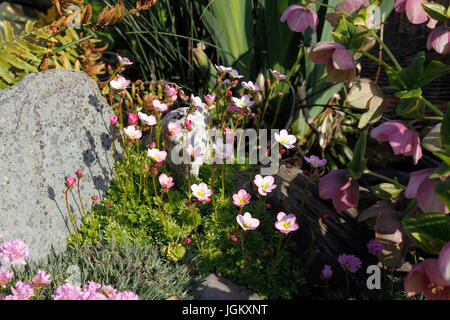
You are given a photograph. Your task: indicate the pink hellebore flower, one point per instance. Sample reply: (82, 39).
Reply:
(70, 181)
(300, 17)
(250, 86)
(197, 102)
(157, 155)
(14, 252)
(132, 118)
(247, 222)
(340, 63)
(351, 6)
(277, 75)
(165, 181)
(265, 185)
(349, 262)
(341, 188)
(174, 128)
(402, 139)
(148, 120)
(113, 120)
(5, 276)
(439, 39)
(431, 277)
(315, 161)
(287, 140)
(241, 198)
(201, 191)
(132, 132)
(414, 11)
(422, 188)
(123, 61)
(286, 223)
(119, 84)
(42, 279)
(243, 102)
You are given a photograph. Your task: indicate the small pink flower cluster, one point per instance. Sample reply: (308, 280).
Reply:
(91, 291)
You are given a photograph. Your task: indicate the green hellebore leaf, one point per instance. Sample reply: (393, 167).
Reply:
(413, 93)
(373, 114)
(430, 231)
(413, 108)
(442, 171)
(436, 11)
(411, 74)
(358, 163)
(433, 70)
(442, 188)
(386, 190)
(432, 141)
(444, 155)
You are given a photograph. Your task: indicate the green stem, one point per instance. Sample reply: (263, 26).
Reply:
(370, 56)
(305, 192)
(396, 183)
(212, 188)
(389, 53)
(242, 246)
(71, 218)
(223, 184)
(79, 197)
(433, 107)
(278, 253)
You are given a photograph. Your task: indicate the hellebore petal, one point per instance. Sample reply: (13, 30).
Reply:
(349, 196)
(427, 199)
(299, 17)
(400, 5)
(415, 180)
(351, 6)
(322, 51)
(416, 280)
(439, 40)
(341, 188)
(444, 262)
(342, 59)
(414, 11)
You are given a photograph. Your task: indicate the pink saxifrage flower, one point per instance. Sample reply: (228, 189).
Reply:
(439, 39)
(421, 187)
(286, 139)
(194, 152)
(14, 252)
(340, 63)
(315, 161)
(132, 132)
(286, 223)
(277, 74)
(265, 185)
(247, 222)
(123, 61)
(299, 17)
(132, 118)
(241, 198)
(201, 191)
(156, 155)
(402, 139)
(250, 86)
(223, 69)
(113, 120)
(70, 181)
(243, 102)
(165, 181)
(197, 102)
(120, 84)
(339, 186)
(349, 262)
(174, 128)
(223, 150)
(431, 277)
(160, 106)
(148, 120)
(42, 279)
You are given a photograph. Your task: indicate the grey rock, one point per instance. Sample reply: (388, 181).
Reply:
(51, 124)
(216, 287)
(198, 136)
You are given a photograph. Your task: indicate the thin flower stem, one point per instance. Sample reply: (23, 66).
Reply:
(113, 144)
(212, 189)
(278, 253)
(433, 107)
(79, 197)
(161, 214)
(258, 210)
(394, 182)
(193, 217)
(370, 56)
(189, 181)
(126, 191)
(389, 53)
(242, 245)
(223, 184)
(71, 218)
(266, 105)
